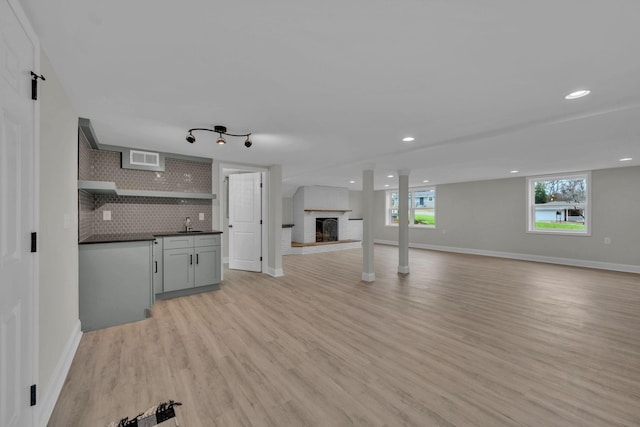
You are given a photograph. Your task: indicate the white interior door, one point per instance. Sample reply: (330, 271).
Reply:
(245, 217)
(17, 219)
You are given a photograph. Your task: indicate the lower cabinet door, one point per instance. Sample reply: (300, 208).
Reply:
(178, 269)
(207, 265)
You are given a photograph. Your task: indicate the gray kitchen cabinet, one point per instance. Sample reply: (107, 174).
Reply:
(157, 266)
(207, 270)
(178, 269)
(115, 283)
(191, 261)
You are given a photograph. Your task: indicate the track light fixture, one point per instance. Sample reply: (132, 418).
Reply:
(220, 130)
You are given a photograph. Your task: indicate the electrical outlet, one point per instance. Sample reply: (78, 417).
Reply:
(607, 240)
(201, 216)
(106, 215)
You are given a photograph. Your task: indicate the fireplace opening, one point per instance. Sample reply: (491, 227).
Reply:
(326, 229)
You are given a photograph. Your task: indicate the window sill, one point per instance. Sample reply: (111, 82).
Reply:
(560, 233)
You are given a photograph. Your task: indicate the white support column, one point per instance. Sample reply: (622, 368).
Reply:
(368, 265)
(275, 221)
(403, 223)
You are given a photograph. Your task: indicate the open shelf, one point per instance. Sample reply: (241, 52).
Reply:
(107, 187)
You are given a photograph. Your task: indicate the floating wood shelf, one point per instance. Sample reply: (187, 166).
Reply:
(107, 187)
(327, 210)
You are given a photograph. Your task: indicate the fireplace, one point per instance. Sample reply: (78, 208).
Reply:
(326, 229)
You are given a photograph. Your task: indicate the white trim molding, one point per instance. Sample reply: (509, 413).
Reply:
(369, 277)
(403, 269)
(275, 272)
(626, 268)
(49, 397)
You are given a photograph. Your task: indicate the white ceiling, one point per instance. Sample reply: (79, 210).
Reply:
(330, 87)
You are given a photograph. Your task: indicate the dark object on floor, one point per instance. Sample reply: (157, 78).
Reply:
(151, 417)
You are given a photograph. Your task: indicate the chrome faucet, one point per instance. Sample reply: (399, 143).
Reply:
(187, 224)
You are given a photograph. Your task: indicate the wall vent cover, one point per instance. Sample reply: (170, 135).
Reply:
(144, 158)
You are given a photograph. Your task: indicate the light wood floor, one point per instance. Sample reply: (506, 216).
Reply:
(461, 341)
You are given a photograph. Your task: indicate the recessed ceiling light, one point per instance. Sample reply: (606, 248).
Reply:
(426, 180)
(408, 139)
(578, 94)
(386, 185)
(352, 182)
(626, 159)
(389, 176)
(514, 171)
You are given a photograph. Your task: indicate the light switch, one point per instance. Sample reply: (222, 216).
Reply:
(201, 216)
(106, 215)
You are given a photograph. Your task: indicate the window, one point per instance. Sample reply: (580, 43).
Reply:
(559, 204)
(422, 207)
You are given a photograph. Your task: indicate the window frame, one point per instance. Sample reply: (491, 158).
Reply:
(389, 207)
(531, 205)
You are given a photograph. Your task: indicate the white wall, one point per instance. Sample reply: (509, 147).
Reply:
(491, 216)
(355, 204)
(58, 245)
(287, 210)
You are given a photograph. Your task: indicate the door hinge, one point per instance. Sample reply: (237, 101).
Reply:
(33, 395)
(260, 258)
(34, 85)
(34, 242)
(260, 185)
(260, 222)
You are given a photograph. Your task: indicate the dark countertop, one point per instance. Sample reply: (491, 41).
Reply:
(138, 237)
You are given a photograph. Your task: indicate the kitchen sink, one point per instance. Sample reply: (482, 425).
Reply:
(189, 232)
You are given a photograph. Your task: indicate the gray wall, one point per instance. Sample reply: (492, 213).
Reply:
(58, 246)
(491, 216)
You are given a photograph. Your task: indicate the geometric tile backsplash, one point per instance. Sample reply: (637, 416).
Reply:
(140, 214)
(148, 214)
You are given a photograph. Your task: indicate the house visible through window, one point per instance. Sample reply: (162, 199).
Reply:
(422, 207)
(559, 204)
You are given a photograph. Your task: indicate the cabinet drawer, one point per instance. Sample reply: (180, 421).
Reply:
(178, 242)
(208, 240)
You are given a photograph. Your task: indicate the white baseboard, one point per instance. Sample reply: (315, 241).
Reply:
(49, 397)
(275, 272)
(626, 268)
(369, 277)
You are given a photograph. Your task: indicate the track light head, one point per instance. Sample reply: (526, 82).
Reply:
(190, 138)
(221, 140)
(248, 142)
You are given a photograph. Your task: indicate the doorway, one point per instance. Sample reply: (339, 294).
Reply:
(224, 172)
(245, 221)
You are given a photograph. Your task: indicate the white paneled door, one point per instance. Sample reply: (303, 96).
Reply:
(17, 217)
(245, 218)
